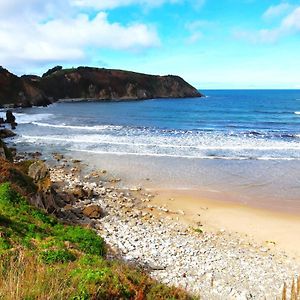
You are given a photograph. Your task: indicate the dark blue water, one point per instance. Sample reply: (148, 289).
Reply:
(227, 124)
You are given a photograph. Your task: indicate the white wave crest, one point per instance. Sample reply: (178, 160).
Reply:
(91, 128)
(22, 118)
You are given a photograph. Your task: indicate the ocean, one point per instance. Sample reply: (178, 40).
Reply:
(242, 145)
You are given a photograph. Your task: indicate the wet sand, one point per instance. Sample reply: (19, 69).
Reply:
(270, 185)
(277, 231)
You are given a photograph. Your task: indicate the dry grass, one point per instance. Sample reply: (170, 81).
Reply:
(294, 292)
(22, 276)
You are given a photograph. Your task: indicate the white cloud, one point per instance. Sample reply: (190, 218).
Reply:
(98, 32)
(260, 36)
(275, 11)
(194, 37)
(111, 4)
(196, 30)
(292, 21)
(290, 24)
(42, 32)
(199, 24)
(49, 31)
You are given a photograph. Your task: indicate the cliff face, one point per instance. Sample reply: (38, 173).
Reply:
(18, 91)
(107, 84)
(90, 83)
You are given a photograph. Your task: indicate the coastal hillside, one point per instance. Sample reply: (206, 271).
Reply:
(19, 92)
(89, 83)
(50, 256)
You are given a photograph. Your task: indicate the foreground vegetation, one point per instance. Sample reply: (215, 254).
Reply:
(41, 258)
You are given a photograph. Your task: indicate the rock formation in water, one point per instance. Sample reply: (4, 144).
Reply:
(89, 83)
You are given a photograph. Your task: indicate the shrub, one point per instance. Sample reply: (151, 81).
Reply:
(4, 244)
(8, 196)
(86, 240)
(57, 256)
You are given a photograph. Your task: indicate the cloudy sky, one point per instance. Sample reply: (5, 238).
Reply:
(211, 43)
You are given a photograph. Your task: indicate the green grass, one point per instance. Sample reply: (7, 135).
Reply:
(57, 256)
(198, 230)
(25, 225)
(40, 258)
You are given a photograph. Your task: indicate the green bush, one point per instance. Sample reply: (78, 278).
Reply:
(8, 196)
(103, 282)
(4, 244)
(86, 240)
(57, 256)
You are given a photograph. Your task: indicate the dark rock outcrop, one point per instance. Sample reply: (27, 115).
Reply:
(89, 83)
(20, 91)
(10, 118)
(5, 152)
(5, 133)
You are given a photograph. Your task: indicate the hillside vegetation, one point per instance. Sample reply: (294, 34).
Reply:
(43, 258)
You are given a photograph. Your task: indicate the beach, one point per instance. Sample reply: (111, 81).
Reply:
(276, 231)
(199, 196)
(150, 150)
(271, 222)
(216, 250)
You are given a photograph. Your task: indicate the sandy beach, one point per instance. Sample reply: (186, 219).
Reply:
(213, 249)
(277, 231)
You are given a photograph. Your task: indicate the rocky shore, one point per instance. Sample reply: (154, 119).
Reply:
(219, 265)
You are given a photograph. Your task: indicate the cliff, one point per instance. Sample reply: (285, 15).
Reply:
(19, 92)
(89, 83)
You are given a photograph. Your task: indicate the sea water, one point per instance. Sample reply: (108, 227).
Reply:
(242, 145)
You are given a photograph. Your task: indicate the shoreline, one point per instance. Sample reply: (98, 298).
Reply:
(241, 182)
(273, 229)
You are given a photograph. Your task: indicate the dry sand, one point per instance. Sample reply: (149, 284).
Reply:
(275, 230)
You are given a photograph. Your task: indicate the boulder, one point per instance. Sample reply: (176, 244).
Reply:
(10, 118)
(5, 133)
(2, 152)
(57, 156)
(93, 211)
(5, 152)
(35, 154)
(79, 193)
(38, 170)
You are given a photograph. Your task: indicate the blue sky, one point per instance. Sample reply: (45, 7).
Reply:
(211, 44)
